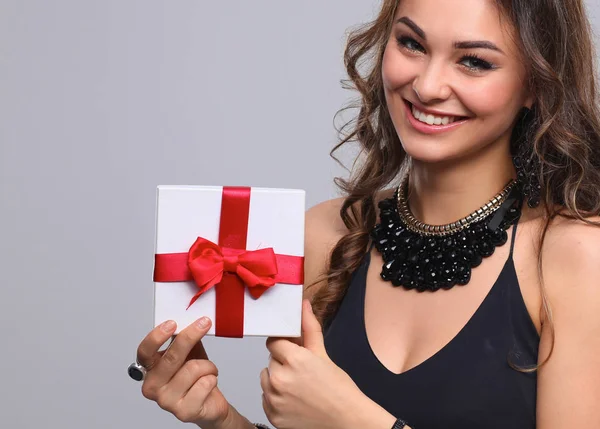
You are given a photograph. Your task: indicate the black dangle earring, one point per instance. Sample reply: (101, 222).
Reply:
(525, 162)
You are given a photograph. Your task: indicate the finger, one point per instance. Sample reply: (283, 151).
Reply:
(162, 352)
(281, 348)
(276, 380)
(174, 358)
(187, 376)
(198, 351)
(265, 382)
(312, 333)
(273, 368)
(147, 352)
(296, 340)
(197, 395)
(267, 407)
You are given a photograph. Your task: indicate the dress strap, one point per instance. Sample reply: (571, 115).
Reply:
(514, 230)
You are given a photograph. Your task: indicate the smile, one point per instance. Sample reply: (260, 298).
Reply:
(431, 124)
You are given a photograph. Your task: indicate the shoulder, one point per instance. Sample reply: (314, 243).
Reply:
(571, 269)
(570, 247)
(324, 227)
(573, 247)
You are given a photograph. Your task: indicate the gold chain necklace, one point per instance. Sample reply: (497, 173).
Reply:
(419, 227)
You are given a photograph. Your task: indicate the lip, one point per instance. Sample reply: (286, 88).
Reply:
(423, 109)
(426, 128)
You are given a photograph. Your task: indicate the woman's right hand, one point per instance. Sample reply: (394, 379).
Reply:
(181, 379)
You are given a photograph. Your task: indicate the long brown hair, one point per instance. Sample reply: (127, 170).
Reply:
(563, 129)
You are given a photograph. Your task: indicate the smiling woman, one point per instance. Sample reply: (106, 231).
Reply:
(483, 115)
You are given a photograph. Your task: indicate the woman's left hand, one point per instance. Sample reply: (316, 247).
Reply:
(303, 388)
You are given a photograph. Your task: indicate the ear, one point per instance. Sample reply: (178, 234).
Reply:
(529, 101)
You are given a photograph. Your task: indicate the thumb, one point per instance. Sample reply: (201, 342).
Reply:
(311, 330)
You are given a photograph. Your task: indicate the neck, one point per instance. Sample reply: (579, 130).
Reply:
(443, 193)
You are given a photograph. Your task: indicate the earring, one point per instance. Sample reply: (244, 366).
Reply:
(525, 161)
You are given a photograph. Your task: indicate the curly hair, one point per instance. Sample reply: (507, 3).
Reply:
(562, 129)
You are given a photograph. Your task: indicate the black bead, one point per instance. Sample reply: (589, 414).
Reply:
(476, 261)
(485, 249)
(499, 237)
(468, 255)
(464, 279)
(413, 256)
(418, 242)
(446, 284)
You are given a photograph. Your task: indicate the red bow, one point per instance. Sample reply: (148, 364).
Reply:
(208, 261)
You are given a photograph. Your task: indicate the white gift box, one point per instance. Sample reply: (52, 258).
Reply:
(275, 220)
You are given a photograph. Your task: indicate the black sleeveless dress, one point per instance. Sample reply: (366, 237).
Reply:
(468, 384)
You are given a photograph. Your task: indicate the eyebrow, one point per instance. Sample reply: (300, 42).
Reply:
(468, 44)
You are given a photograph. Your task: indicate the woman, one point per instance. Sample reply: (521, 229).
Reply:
(483, 115)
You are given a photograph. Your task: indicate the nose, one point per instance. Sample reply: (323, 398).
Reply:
(431, 85)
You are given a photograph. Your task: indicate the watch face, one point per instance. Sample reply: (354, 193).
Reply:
(399, 424)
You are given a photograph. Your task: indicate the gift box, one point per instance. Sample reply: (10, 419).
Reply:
(234, 254)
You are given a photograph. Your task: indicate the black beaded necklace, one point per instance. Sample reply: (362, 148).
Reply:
(426, 257)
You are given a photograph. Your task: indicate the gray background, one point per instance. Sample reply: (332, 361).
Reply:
(100, 101)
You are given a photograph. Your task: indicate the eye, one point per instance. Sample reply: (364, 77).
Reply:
(474, 63)
(410, 44)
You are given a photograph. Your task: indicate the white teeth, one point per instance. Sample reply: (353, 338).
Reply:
(430, 119)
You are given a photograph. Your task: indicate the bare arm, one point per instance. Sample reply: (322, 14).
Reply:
(569, 385)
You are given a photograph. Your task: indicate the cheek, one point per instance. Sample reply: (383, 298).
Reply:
(492, 97)
(395, 69)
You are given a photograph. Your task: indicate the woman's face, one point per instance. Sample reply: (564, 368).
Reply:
(454, 61)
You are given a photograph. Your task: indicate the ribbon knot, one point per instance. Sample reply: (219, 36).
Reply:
(209, 262)
(230, 263)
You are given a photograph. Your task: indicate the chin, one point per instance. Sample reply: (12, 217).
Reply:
(431, 149)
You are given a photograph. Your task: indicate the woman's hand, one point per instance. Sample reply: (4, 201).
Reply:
(181, 379)
(303, 388)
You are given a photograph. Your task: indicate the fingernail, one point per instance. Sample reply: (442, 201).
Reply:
(168, 326)
(203, 322)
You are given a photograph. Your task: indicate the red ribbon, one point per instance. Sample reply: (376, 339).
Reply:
(228, 266)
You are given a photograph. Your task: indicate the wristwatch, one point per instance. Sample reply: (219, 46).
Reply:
(399, 424)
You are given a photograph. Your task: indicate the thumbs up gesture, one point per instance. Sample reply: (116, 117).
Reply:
(303, 388)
